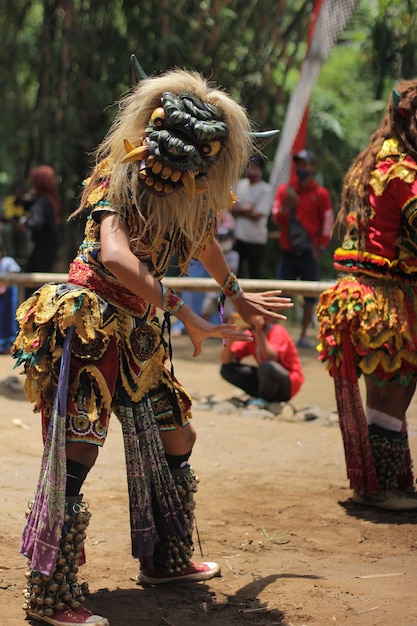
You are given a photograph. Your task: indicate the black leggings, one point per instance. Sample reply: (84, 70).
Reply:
(270, 380)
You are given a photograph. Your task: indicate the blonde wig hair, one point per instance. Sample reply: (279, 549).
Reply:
(157, 215)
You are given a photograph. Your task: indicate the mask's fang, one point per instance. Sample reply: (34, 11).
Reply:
(134, 153)
(201, 184)
(129, 146)
(188, 180)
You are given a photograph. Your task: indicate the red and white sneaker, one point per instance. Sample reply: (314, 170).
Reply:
(69, 617)
(193, 573)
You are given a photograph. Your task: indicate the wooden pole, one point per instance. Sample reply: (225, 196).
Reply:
(288, 287)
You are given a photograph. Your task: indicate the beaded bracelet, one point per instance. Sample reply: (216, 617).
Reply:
(231, 288)
(171, 301)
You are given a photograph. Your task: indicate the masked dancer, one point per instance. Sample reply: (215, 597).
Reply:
(96, 344)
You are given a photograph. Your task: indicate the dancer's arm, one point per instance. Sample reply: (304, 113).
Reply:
(248, 305)
(122, 263)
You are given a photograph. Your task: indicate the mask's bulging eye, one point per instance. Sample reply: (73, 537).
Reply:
(211, 148)
(158, 117)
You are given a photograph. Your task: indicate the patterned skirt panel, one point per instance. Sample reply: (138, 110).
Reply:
(111, 350)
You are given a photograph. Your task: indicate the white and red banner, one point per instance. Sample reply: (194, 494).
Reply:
(329, 20)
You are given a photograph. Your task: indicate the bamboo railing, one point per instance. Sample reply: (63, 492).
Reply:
(288, 287)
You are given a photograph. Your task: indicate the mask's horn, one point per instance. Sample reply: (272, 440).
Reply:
(138, 72)
(264, 137)
(396, 97)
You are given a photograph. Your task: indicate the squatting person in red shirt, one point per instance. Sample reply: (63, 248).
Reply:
(278, 375)
(304, 213)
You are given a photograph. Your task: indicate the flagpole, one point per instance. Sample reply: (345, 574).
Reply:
(331, 17)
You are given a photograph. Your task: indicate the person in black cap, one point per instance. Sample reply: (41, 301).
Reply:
(304, 213)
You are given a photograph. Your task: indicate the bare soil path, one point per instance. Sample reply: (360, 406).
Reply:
(273, 509)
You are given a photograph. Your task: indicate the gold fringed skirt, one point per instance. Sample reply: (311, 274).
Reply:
(380, 322)
(114, 355)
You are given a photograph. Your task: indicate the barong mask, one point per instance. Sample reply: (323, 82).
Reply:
(181, 141)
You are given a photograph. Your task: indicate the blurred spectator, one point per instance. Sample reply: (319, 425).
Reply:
(42, 222)
(8, 303)
(278, 375)
(205, 303)
(226, 240)
(305, 215)
(16, 239)
(251, 213)
(194, 299)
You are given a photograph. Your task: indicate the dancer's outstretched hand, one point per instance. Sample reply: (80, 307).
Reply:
(199, 329)
(267, 303)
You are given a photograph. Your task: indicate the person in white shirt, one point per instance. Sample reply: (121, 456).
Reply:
(251, 213)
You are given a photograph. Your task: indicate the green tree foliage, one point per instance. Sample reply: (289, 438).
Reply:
(63, 64)
(392, 50)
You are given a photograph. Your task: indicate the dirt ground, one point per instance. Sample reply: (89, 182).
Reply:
(273, 508)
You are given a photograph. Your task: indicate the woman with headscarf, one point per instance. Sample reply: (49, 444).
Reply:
(44, 205)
